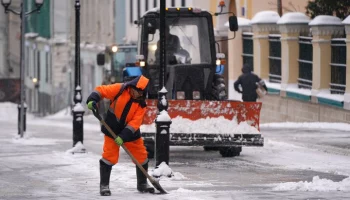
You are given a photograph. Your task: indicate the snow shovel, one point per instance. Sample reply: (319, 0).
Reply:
(154, 182)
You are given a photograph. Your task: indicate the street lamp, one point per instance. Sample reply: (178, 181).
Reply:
(22, 14)
(78, 110)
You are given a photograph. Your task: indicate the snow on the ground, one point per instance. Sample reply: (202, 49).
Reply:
(317, 184)
(274, 153)
(78, 148)
(9, 111)
(162, 170)
(310, 125)
(292, 156)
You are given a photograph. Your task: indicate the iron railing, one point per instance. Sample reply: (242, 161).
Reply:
(305, 62)
(338, 66)
(275, 71)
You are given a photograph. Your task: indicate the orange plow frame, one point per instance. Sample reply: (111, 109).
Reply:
(194, 110)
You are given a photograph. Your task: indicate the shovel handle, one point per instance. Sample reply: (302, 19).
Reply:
(97, 114)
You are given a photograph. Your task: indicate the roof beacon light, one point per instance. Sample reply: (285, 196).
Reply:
(222, 4)
(197, 10)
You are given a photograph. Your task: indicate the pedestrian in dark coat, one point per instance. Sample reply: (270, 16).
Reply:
(249, 83)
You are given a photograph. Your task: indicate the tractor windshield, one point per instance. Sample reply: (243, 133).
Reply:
(187, 41)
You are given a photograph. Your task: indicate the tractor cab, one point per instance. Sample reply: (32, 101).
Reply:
(190, 52)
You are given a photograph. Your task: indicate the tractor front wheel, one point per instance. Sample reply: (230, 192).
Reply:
(230, 151)
(210, 148)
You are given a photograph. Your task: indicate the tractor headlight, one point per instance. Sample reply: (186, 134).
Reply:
(114, 48)
(180, 95)
(142, 63)
(196, 95)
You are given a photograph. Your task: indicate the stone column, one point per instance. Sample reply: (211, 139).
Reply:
(347, 88)
(290, 53)
(262, 48)
(321, 43)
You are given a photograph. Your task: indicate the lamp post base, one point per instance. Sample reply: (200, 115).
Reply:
(78, 128)
(24, 119)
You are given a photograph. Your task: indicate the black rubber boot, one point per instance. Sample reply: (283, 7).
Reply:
(142, 185)
(105, 173)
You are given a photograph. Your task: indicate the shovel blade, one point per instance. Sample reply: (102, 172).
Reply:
(158, 187)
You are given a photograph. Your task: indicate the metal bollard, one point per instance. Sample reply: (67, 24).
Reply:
(162, 142)
(24, 118)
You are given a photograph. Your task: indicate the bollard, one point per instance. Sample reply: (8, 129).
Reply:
(24, 118)
(163, 122)
(78, 132)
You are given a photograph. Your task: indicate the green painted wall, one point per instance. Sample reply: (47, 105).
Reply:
(38, 22)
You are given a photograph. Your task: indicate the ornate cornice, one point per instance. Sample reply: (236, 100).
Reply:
(294, 28)
(246, 28)
(265, 27)
(326, 30)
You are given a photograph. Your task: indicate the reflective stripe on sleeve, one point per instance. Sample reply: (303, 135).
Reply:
(130, 128)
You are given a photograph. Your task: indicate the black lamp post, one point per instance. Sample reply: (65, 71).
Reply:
(162, 126)
(22, 106)
(78, 111)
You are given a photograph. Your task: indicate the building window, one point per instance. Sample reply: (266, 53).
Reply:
(131, 11)
(183, 3)
(305, 62)
(38, 68)
(138, 9)
(248, 49)
(146, 5)
(338, 66)
(47, 67)
(155, 3)
(275, 59)
(35, 62)
(27, 60)
(172, 3)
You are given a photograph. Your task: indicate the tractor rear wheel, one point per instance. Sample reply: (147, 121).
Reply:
(230, 151)
(219, 88)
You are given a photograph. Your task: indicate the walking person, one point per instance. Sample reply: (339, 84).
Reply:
(249, 83)
(124, 116)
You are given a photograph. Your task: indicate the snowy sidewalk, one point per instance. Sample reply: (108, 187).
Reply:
(38, 166)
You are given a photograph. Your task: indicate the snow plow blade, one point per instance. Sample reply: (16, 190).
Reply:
(196, 110)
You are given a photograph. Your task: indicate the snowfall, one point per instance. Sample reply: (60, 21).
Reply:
(85, 163)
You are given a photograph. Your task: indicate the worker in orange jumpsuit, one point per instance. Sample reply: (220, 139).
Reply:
(124, 116)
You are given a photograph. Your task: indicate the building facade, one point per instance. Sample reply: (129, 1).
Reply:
(4, 71)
